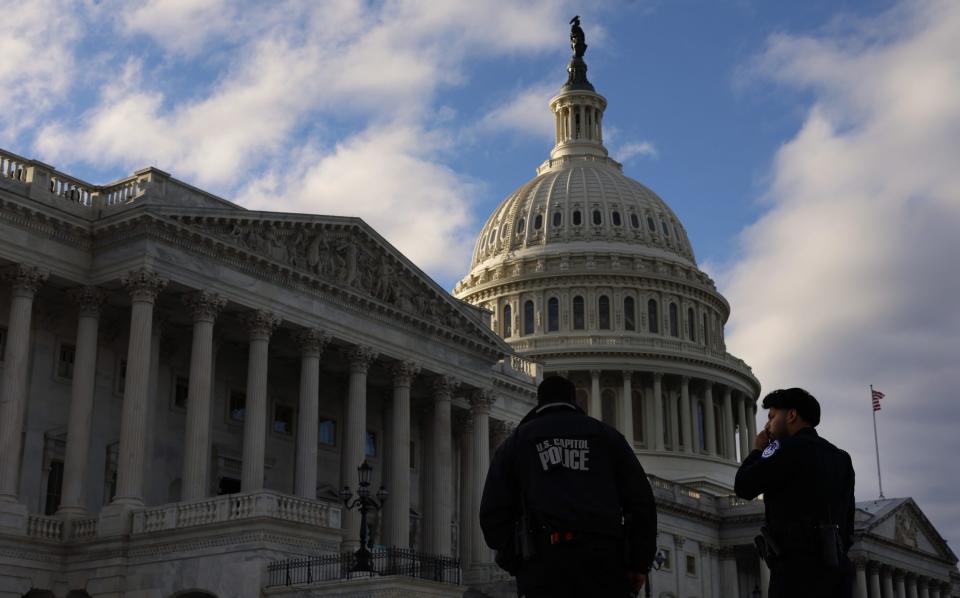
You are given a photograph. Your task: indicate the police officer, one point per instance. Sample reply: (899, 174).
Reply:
(567, 506)
(807, 487)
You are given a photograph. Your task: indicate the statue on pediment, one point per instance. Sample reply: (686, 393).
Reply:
(905, 531)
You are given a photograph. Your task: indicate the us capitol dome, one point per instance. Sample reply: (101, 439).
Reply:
(592, 275)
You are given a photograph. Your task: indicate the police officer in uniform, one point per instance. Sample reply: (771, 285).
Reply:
(567, 506)
(807, 486)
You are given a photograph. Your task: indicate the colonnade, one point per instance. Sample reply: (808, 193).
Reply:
(875, 579)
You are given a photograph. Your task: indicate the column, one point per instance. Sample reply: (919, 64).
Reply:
(355, 436)
(745, 443)
(397, 516)
(196, 451)
(143, 286)
(25, 282)
(462, 424)
(727, 427)
(311, 343)
(899, 587)
(765, 579)
(674, 416)
(751, 420)
(88, 301)
(923, 584)
(685, 414)
(480, 404)
(875, 581)
(860, 580)
(912, 586)
(934, 589)
(709, 419)
(626, 408)
(886, 580)
(260, 326)
(596, 408)
(658, 443)
(441, 487)
(728, 572)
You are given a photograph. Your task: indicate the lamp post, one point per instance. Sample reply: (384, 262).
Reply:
(363, 502)
(658, 562)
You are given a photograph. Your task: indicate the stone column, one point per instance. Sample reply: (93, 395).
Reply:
(144, 286)
(674, 416)
(626, 408)
(355, 436)
(923, 585)
(886, 580)
(260, 326)
(745, 443)
(860, 581)
(934, 590)
(751, 420)
(312, 343)
(88, 301)
(658, 443)
(685, 414)
(728, 572)
(442, 488)
(728, 425)
(397, 516)
(875, 581)
(899, 587)
(480, 404)
(764, 579)
(196, 450)
(709, 419)
(596, 408)
(462, 425)
(25, 282)
(911, 586)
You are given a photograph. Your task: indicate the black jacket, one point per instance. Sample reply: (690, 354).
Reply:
(804, 480)
(576, 474)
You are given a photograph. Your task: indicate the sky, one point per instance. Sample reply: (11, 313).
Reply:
(811, 149)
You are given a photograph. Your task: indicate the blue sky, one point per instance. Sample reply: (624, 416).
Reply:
(810, 149)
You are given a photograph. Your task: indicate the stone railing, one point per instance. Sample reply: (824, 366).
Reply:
(516, 366)
(71, 189)
(12, 166)
(235, 507)
(45, 528)
(85, 529)
(121, 192)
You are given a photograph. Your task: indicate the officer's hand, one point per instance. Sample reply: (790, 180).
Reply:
(636, 581)
(762, 440)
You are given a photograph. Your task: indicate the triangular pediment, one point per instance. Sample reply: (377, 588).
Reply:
(341, 253)
(901, 521)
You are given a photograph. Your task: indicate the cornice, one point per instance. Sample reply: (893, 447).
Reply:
(43, 222)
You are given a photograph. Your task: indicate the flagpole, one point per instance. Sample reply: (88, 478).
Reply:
(876, 442)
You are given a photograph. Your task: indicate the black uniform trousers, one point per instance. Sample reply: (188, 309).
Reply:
(575, 569)
(802, 576)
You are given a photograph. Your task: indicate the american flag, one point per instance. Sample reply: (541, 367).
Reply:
(877, 395)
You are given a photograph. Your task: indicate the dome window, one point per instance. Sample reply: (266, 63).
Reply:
(538, 222)
(616, 219)
(506, 321)
(597, 218)
(692, 322)
(504, 231)
(493, 237)
(528, 317)
(603, 311)
(706, 330)
(651, 225)
(674, 321)
(553, 315)
(634, 221)
(576, 218)
(676, 231)
(629, 314)
(652, 316)
(666, 231)
(578, 319)
(520, 224)
(557, 218)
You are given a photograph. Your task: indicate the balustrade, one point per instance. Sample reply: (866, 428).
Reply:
(71, 189)
(45, 528)
(12, 166)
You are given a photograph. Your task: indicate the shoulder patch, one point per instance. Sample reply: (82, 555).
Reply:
(771, 449)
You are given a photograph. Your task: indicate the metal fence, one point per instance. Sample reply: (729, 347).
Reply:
(389, 561)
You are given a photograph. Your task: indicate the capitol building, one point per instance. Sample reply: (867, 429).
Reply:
(187, 386)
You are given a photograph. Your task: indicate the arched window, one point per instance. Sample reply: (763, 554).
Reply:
(718, 428)
(553, 314)
(652, 317)
(701, 427)
(665, 410)
(692, 323)
(576, 218)
(597, 218)
(638, 413)
(520, 224)
(634, 221)
(616, 219)
(651, 225)
(538, 222)
(528, 317)
(507, 313)
(578, 323)
(674, 321)
(706, 330)
(603, 309)
(629, 314)
(557, 218)
(608, 407)
(676, 231)
(666, 231)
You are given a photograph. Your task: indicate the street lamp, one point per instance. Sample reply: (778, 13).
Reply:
(658, 562)
(363, 502)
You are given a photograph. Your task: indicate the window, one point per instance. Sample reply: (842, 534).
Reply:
(538, 222)
(283, 419)
(578, 323)
(3, 342)
(667, 562)
(327, 431)
(66, 355)
(634, 221)
(701, 427)
(692, 322)
(616, 219)
(228, 486)
(553, 314)
(557, 218)
(676, 231)
(674, 321)
(181, 390)
(413, 455)
(652, 316)
(629, 314)
(608, 407)
(528, 317)
(237, 408)
(663, 225)
(54, 487)
(370, 449)
(121, 376)
(520, 225)
(576, 218)
(651, 225)
(706, 331)
(603, 308)
(597, 218)
(507, 319)
(638, 434)
(691, 565)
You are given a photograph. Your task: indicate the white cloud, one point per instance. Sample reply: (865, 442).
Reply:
(633, 149)
(526, 112)
(850, 278)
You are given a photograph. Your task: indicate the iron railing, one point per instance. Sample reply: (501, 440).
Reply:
(388, 561)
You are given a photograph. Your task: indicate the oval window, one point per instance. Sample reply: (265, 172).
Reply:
(634, 221)
(616, 218)
(666, 231)
(597, 219)
(576, 218)
(557, 218)
(651, 225)
(538, 222)
(520, 225)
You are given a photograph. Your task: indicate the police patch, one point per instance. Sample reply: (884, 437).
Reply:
(771, 449)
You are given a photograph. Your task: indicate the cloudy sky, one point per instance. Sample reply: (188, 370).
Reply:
(812, 151)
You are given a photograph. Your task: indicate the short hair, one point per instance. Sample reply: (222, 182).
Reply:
(795, 398)
(556, 389)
